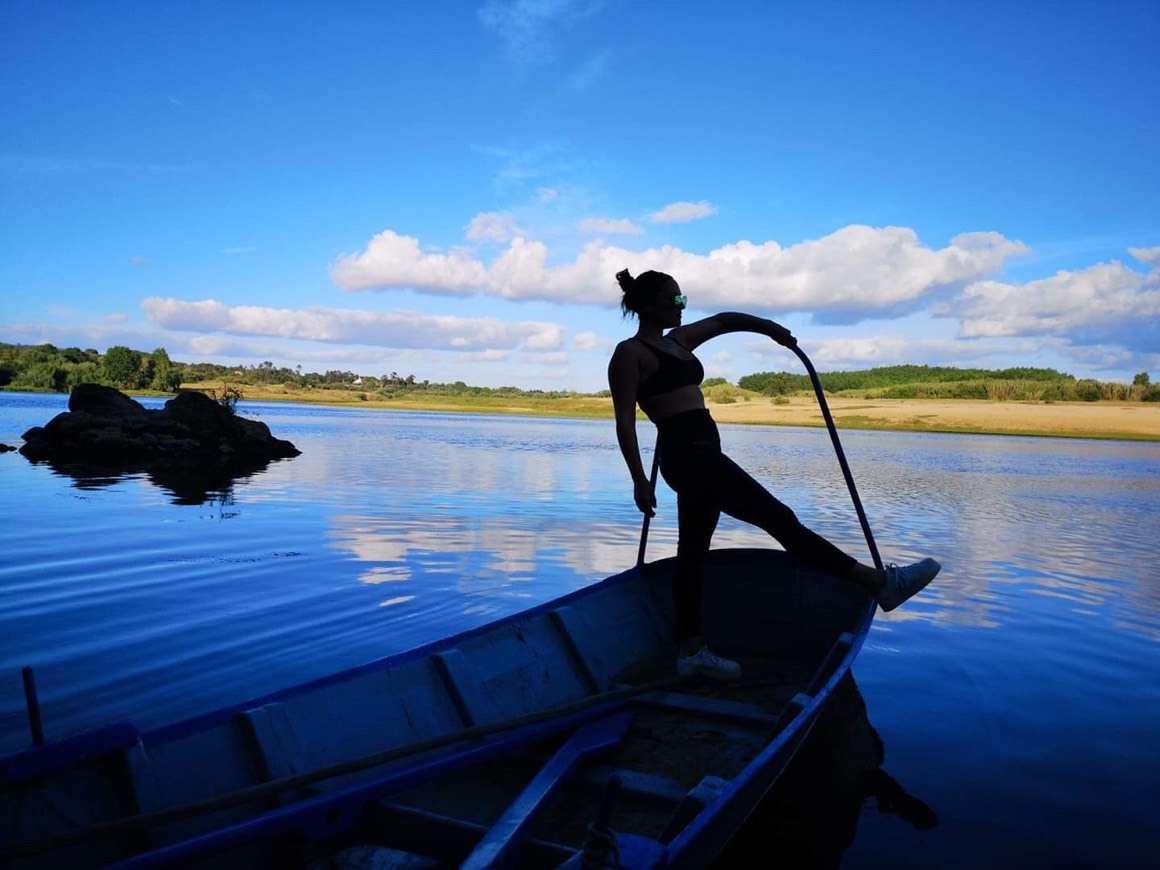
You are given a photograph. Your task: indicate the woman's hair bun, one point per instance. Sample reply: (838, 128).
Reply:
(640, 291)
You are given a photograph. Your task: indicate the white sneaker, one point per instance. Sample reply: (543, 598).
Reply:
(902, 583)
(705, 663)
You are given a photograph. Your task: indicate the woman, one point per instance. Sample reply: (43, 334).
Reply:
(660, 373)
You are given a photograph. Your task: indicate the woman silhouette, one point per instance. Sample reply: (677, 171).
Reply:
(659, 372)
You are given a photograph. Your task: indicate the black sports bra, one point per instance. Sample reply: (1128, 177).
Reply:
(673, 373)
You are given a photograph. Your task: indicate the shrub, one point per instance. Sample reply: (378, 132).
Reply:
(1087, 390)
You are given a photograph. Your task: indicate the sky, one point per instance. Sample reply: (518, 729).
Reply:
(446, 190)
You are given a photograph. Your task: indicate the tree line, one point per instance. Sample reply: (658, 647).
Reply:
(945, 382)
(50, 369)
(46, 368)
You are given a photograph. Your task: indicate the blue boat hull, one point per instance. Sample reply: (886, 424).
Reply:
(492, 748)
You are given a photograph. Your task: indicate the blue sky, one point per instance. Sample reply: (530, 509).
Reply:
(447, 189)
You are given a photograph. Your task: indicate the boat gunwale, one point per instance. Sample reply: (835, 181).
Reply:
(194, 724)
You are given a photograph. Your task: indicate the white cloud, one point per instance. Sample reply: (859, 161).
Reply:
(212, 345)
(850, 274)
(139, 261)
(239, 250)
(1151, 256)
(554, 358)
(1107, 302)
(882, 350)
(396, 329)
(682, 212)
(486, 356)
(545, 195)
(493, 226)
(590, 341)
(529, 29)
(622, 226)
(392, 260)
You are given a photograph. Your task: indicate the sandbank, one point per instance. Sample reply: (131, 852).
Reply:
(1114, 420)
(1135, 421)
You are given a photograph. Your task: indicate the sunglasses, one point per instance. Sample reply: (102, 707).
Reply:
(680, 301)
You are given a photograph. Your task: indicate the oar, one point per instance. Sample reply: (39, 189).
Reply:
(652, 487)
(841, 455)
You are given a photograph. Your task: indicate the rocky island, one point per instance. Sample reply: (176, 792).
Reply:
(194, 446)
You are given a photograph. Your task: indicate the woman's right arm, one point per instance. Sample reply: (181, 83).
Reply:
(623, 382)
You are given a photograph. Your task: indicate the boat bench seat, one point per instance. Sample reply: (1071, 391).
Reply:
(659, 791)
(736, 712)
(691, 805)
(273, 742)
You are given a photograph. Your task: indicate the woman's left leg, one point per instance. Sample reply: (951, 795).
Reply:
(696, 520)
(743, 498)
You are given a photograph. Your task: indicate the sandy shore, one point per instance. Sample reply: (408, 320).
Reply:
(1136, 421)
(1128, 420)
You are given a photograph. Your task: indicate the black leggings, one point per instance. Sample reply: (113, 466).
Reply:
(707, 483)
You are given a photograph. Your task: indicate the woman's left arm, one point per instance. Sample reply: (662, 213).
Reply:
(700, 331)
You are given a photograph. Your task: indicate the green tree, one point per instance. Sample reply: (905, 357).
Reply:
(1141, 380)
(122, 367)
(48, 376)
(84, 373)
(164, 378)
(1087, 390)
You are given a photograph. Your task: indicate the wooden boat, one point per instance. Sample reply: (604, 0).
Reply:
(502, 746)
(557, 737)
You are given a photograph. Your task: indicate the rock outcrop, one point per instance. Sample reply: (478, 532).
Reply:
(105, 427)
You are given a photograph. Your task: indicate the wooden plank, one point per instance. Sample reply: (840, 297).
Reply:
(736, 712)
(503, 839)
(796, 704)
(473, 706)
(566, 621)
(444, 837)
(659, 791)
(45, 760)
(692, 804)
(276, 747)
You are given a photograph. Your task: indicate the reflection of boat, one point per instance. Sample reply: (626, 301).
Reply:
(493, 743)
(810, 816)
(558, 736)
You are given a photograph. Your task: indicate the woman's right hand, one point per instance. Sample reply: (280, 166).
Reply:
(645, 497)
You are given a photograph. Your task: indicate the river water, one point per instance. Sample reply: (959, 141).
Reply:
(1014, 706)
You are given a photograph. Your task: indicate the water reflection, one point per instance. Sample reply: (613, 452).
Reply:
(187, 485)
(810, 817)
